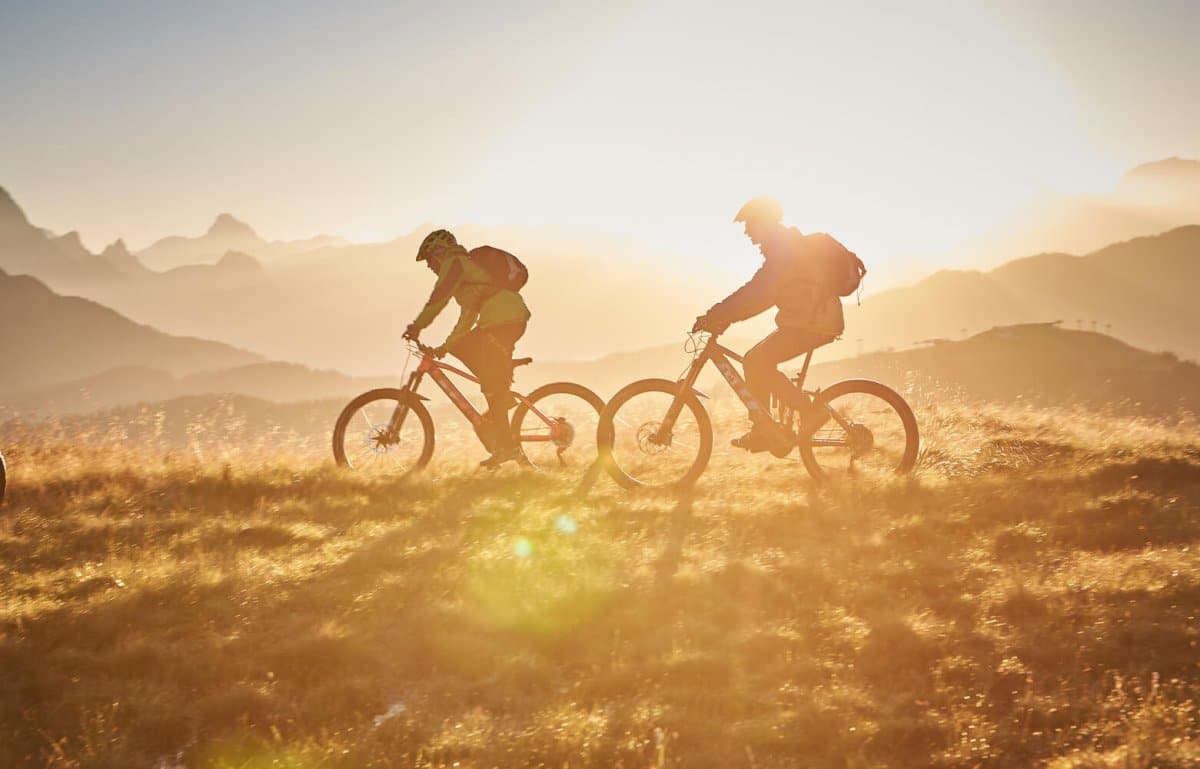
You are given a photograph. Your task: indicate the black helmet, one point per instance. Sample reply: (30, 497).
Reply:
(760, 210)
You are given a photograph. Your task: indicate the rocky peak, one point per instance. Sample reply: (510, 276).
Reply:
(70, 243)
(228, 226)
(117, 249)
(11, 213)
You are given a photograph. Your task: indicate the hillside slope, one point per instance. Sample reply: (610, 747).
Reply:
(1029, 599)
(1142, 288)
(49, 338)
(1036, 365)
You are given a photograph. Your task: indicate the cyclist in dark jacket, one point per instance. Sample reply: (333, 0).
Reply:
(809, 315)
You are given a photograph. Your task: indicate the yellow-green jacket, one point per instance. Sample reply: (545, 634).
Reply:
(482, 304)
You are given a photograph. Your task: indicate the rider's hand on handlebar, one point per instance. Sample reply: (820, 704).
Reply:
(412, 333)
(705, 323)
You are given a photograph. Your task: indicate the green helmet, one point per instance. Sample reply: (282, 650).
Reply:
(435, 243)
(760, 210)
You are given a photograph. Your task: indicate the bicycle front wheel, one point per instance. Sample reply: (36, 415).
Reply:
(555, 426)
(639, 451)
(870, 432)
(365, 439)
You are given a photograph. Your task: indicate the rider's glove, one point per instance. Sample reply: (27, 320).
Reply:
(412, 333)
(706, 323)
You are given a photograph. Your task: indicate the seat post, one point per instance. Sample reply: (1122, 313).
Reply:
(804, 370)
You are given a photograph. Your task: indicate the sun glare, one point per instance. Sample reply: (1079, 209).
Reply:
(901, 134)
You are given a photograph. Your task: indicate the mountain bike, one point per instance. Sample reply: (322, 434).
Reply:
(391, 430)
(656, 434)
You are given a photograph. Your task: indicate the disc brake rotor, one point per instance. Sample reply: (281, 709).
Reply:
(379, 441)
(647, 438)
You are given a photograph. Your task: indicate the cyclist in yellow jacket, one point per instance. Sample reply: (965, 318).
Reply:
(491, 320)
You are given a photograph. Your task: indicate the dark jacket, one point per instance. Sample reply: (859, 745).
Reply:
(790, 280)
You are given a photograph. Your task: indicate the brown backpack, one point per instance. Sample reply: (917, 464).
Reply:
(840, 268)
(505, 270)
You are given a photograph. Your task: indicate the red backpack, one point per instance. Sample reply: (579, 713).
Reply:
(505, 270)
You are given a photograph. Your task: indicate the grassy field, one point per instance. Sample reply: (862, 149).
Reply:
(221, 596)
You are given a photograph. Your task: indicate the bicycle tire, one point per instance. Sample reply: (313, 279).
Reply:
(912, 437)
(384, 394)
(606, 436)
(548, 390)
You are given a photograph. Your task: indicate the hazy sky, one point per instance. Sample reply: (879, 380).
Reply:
(900, 127)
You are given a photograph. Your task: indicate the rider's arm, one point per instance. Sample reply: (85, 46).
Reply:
(756, 296)
(447, 282)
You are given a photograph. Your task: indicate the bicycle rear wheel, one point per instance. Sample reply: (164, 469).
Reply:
(638, 453)
(871, 432)
(555, 426)
(364, 442)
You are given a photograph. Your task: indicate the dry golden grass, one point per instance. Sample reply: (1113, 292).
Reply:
(219, 596)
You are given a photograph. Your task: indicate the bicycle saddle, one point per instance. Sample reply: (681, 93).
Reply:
(522, 362)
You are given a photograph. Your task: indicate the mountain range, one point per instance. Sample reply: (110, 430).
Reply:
(47, 339)
(226, 234)
(1149, 199)
(1036, 364)
(328, 304)
(69, 355)
(1142, 291)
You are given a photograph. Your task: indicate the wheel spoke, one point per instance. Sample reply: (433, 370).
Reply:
(868, 434)
(636, 418)
(565, 436)
(363, 443)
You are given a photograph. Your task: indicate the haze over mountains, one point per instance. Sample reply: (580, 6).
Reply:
(47, 339)
(1142, 291)
(81, 357)
(1149, 199)
(343, 306)
(227, 234)
(325, 303)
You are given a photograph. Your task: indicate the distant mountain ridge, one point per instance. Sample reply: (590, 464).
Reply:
(46, 338)
(1172, 183)
(225, 234)
(1149, 199)
(26, 249)
(1143, 290)
(128, 385)
(340, 305)
(1037, 364)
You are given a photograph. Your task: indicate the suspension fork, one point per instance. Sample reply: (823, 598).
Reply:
(402, 408)
(686, 385)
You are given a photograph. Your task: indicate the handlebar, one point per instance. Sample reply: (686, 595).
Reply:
(419, 347)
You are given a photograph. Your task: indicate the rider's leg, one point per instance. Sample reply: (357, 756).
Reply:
(495, 379)
(763, 377)
(761, 363)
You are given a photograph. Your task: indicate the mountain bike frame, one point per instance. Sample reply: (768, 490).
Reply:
(720, 357)
(437, 371)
